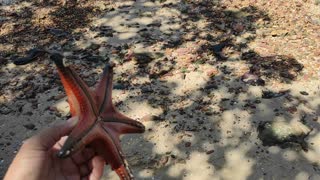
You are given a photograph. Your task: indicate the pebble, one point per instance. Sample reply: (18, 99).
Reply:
(241, 40)
(164, 160)
(94, 58)
(156, 24)
(211, 86)
(304, 93)
(94, 46)
(29, 126)
(12, 133)
(252, 79)
(119, 86)
(187, 144)
(59, 96)
(5, 110)
(212, 72)
(210, 152)
(57, 32)
(233, 102)
(146, 90)
(270, 94)
(29, 113)
(257, 101)
(314, 177)
(142, 58)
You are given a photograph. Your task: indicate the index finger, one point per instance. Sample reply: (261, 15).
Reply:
(48, 137)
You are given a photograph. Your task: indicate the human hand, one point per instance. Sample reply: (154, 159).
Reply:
(37, 160)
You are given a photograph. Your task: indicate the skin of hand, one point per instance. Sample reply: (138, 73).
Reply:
(37, 160)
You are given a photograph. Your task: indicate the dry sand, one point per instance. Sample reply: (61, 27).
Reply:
(201, 119)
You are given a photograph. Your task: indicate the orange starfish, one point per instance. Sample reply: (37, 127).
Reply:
(99, 124)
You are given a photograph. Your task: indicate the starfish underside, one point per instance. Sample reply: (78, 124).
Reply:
(99, 124)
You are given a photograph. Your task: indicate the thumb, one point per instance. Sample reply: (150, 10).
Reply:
(48, 137)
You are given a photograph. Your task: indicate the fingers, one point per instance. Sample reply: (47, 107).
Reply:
(84, 160)
(48, 137)
(84, 170)
(91, 169)
(96, 165)
(59, 144)
(90, 165)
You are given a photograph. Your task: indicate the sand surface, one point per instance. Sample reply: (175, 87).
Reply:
(201, 118)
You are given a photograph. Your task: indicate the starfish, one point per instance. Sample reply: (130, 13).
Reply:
(99, 123)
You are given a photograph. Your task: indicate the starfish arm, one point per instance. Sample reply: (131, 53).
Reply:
(75, 143)
(107, 110)
(112, 152)
(103, 91)
(81, 104)
(80, 136)
(123, 124)
(106, 142)
(113, 157)
(124, 173)
(79, 94)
